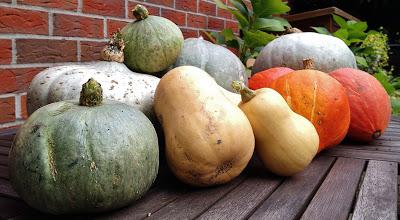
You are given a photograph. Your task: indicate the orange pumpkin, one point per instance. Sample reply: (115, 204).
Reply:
(319, 98)
(264, 78)
(369, 104)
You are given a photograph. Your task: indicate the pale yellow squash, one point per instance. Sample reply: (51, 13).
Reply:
(208, 138)
(286, 142)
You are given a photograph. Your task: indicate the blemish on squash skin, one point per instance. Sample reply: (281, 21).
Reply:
(219, 141)
(50, 152)
(223, 168)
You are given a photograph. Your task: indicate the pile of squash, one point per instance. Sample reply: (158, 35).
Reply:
(100, 155)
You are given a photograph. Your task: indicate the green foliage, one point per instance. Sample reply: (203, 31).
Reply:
(371, 51)
(257, 25)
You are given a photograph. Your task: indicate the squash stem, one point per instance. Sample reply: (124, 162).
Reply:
(140, 12)
(114, 50)
(308, 64)
(91, 94)
(246, 93)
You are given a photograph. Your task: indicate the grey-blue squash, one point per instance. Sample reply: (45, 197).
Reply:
(223, 65)
(68, 158)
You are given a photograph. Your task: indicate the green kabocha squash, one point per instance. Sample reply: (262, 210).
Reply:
(86, 156)
(152, 43)
(328, 53)
(219, 62)
(119, 83)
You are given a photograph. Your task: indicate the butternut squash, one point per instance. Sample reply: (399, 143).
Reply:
(286, 142)
(209, 140)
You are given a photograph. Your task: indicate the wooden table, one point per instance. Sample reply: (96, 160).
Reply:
(356, 181)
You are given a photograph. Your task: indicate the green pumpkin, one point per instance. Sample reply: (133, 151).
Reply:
(152, 43)
(68, 158)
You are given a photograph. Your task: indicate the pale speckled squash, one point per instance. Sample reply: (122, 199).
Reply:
(328, 52)
(68, 158)
(152, 43)
(219, 62)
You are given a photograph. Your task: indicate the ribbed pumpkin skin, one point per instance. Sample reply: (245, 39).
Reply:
(329, 53)
(219, 62)
(264, 78)
(152, 44)
(319, 98)
(369, 104)
(72, 159)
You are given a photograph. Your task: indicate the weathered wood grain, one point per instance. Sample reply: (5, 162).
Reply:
(383, 149)
(4, 172)
(378, 194)
(3, 160)
(4, 151)
(362, 154)
(195, 201)
(334, 198)
(5, 143)
(291, 198)
(242, 200)
(7, 190)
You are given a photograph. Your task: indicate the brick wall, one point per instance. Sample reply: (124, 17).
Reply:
(36, 34)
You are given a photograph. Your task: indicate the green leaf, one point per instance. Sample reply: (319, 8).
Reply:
(228, 34)
(340, 21)
(257, 38)
(243, 22)
(361, 61)
(239, 4)
(383, 79)
(343, 35)
(395, 105)
(358, 26)
(321, 30)
(219, 38)
(283, 21)
(266, 8)
(267, 24)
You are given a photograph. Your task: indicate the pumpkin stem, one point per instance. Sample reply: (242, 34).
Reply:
(246, 93)
(91, 94)
(114, 50)
(376, 134)
(140, 12)
(308, 64)
(292, 30)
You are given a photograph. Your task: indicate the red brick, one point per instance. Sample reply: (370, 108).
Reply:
(187, 33)
(153, 10)
(223, 13)
(91, 50)
(196, 21)
(233, 25)
(60, 4)
(114, 25)
(101, 7)
(78, 26)
(177, 17)
(5, 51)
(20, 21)
(46, 51)
(7, 109)
(215, 23)
(169, 3)
(186, 5)
(207, 8)
(25, 76)
(8, 81)
(24, 112)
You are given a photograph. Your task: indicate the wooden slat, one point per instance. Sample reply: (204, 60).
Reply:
(4, 150)
(362, 154)
(7, 190)
(378, 194)
(290, 199)
(5, 143)
(384, 149)
(3, 160)
(4, 172)
(196, 201)
(334, 198)
(10, 208)
(241, 201)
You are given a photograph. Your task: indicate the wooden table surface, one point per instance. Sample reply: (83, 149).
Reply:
(349, 181)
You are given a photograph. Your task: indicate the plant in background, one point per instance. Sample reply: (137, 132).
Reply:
(256, 26)
(371, 51)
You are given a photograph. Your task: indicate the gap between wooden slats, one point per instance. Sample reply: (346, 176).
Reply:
(362, 154)
(292, 197)
(334, 198)
(7, 190)
(377, 198)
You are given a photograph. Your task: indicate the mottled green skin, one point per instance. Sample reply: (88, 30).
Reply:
(152, 44)
(68, 158)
